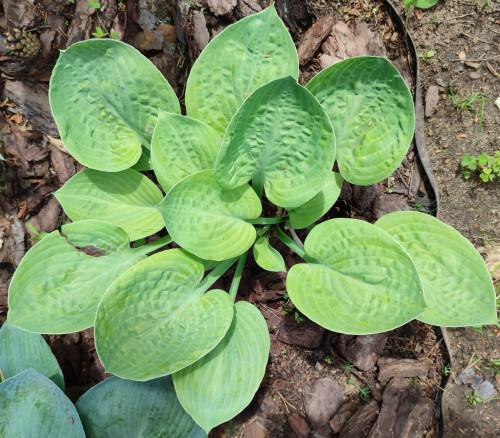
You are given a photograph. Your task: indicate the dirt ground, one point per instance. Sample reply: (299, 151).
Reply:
(434, 384)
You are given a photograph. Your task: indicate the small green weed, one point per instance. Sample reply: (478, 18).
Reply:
(424, 56)
(469, 104)
(488, 166)
(364, 393)
(39, 235)
(93, 4)
(473, 399)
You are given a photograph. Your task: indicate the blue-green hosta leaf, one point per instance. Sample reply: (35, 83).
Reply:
(20, 350)
(266, 256)
(280, 138)
(221, 384)
(104, 97)
(152, 321)
(127, 409)
(182, 146)
(311, 211)
(31, 405)
(209, 221)
(457, 285)
(126, 199)
(236, 62)
(144, 162)
(56, 288)
(363, 282)
(372, 114)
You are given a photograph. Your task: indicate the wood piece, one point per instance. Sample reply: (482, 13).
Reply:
(360, 421)
(306, 334)
(299, 425)
(222, 7)
(341, 417)
(311, 40)
(63, 164)
(362, 351)
(392, 367)
(322, 399)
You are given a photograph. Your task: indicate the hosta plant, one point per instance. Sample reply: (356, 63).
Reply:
(251, 133)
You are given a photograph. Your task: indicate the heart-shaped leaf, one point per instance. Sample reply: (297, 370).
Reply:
(126, 199)
(20, 350)
(457, 285)
(153, 321)
(56, 287)
(372, 114)
(221, 384)
(236, 62)
(127, 409)
(363, 282)
(267, 257)
(182, 146)
(209, 221)
(282, 140)
(31, 405)
(311, 211)
(104, 97)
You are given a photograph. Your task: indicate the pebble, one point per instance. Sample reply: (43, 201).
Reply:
(322, 399)
(440, 82)
(474, 76)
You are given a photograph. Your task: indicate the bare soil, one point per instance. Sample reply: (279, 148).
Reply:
(392, 382)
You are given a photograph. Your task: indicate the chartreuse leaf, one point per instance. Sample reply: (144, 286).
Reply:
(457, 285)
(153, 321)
(311, 211)
(182, 146)
(422, 4)
(126, 199)
(127, 409)
(372, 114)
(266, 256)
(363, 281)
(31, 405)
(221, 384)
(56, 288)
(208, 220)
(282, 140)
(236, 62)
(20, 350)
(104, 97)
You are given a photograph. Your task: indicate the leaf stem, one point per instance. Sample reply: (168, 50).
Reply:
(267, 220)
(237, 276)
(153, 246)
(214, 275)
(294, 246)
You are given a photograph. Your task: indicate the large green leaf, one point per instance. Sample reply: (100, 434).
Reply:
(363, 281)
(236, 62)
(153, 321)
(221, 384)
(126, 199)
(457, 285)
(209, 221)
(182, 146)
(267, 257)
(57, 287)
(281, 139)
(422, 4)
(127, 409)
(311, 211)
(20, 350)
(372, 114)
(105, 97)
(32, 406)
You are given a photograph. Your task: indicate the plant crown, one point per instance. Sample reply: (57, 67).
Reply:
(250, 129)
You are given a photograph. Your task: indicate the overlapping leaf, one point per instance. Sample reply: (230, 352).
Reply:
(281, 139)
(127, 409)
(236, 62)
(56, 288)
(31, 405)
(20, 350)
(182, 146)
(209, 221)
(221, 384)
(267, 257)
(372, 114)
(104, 97)
(153, 321)
(363, 281)
(126, 199)
(457, 285)
(311, 211)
